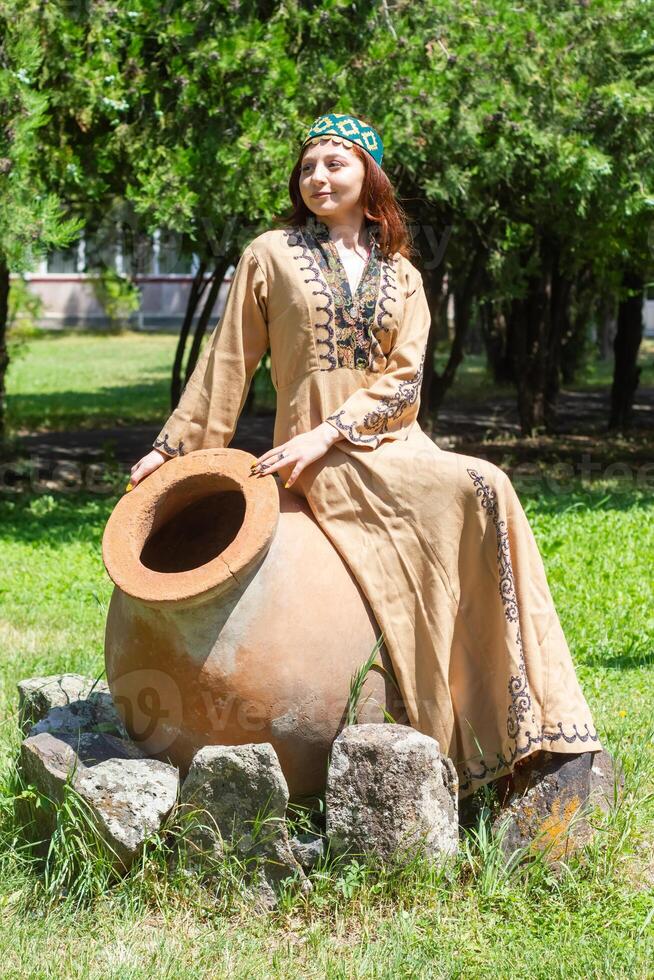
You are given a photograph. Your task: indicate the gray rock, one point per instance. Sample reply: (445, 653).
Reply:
(130, 798)
(243, 796)
(390, 793)
(47, 760)
(308, 850)
(39, 695)
(128, 794)
(95, 713)
(547, 801)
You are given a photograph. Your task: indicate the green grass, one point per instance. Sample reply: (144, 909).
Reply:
(86, 380)
(77, 380)
(473, 918)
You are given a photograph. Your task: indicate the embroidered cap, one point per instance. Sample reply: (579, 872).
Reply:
(347, 130)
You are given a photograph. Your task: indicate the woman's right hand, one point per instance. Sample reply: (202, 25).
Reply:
(146, 465)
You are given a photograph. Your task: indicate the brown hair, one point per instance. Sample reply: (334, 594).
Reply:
(377, 199)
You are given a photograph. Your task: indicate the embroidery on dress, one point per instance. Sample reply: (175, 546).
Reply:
(353, 321)
(389, 408)
(167, 448)
(354, 313)
(520, 707)
(388, 282)
(325, 340)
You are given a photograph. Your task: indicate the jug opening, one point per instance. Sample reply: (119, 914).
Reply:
(196, 533)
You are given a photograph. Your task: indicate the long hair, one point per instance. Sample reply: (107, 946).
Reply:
(377, 200)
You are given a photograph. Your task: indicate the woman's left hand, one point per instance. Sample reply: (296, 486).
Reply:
(301, 450)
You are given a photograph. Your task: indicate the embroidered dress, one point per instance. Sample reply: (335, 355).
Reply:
(437, 540)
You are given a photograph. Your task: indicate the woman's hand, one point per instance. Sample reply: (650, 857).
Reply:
(146, 465)
(301, 450)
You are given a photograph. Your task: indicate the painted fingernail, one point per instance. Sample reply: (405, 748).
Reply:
(287, 485)
(129, 487)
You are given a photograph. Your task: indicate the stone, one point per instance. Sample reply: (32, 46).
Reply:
(243, 797)
(39, 695)
(128, 794)
(390, 794)
(546, 802)
(95, 713)
(130, 799)
(308, 850)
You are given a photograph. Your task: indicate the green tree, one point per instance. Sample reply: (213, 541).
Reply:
(519, 138)
(31, 218)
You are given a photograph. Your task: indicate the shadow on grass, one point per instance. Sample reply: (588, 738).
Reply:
(148, 401)
(54, 519)
(617, 497)
(626, 661)
(636, 652)
(107, 406)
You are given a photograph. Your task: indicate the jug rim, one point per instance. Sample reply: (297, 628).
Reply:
(134, 517)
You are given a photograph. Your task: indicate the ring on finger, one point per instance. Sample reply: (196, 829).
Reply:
(268, 462)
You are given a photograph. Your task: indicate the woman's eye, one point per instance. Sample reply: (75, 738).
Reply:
(338, 163)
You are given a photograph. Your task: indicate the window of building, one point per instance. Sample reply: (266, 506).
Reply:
(162, 253)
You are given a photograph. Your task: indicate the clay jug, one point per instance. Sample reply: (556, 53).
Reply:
(234, 619)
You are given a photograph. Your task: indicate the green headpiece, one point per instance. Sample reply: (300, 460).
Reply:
(347, 130)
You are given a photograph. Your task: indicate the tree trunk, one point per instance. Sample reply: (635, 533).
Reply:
(535, 327)
(4, 353)
(496, 343)
(559, 327)
(465, 293)
(215, 283)
(474, 342)
(626, 372)
(435, 299)
(528, 328)
(606, 327)
(198, 287)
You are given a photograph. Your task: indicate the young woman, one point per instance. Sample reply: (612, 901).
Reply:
(438, 541)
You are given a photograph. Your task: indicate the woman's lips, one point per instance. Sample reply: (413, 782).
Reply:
(322, 194)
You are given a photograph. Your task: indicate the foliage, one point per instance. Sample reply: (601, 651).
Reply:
(30, 214)
(519, 138)
(118, 296)
(357, 683)
(25, 307)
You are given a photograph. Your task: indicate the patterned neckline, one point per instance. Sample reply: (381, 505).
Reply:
(351, 316)
(320, 231)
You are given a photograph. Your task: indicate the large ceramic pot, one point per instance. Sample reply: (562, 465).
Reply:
(233, 618)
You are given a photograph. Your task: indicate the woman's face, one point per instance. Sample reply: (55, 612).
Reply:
(331, 179)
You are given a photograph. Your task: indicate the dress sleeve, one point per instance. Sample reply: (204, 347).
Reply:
(215, 393)
(388, 408)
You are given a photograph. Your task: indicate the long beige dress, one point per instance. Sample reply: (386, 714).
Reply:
(437, 540)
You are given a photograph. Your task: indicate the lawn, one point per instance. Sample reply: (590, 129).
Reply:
(595, 918)
(73, 380)
(77, 380)
(473, 918)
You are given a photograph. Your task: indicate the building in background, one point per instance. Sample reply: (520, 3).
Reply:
(158, 265)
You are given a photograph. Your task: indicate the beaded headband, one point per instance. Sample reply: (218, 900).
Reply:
(347, 130)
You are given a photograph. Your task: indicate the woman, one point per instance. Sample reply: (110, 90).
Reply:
(438, 541)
